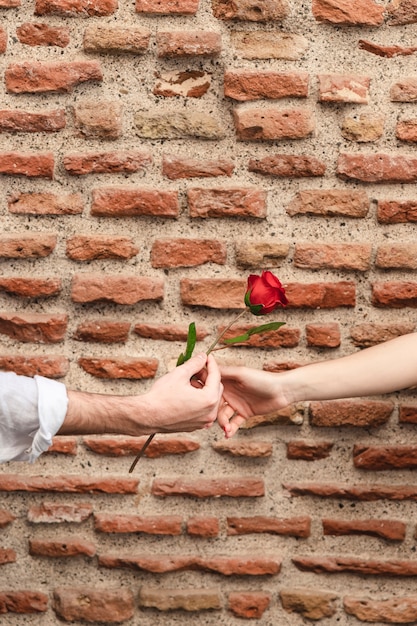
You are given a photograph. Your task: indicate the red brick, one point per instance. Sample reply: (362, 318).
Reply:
(167, 332)
(123, 446)
(32, 34)
(58, 513)
(377, 458)
(31, 287)
(102, 331)
(37, 77)
(290, 527)
(396, 211)
(167, 7)
(186, 83)
(63, 445)
(125, 202)
(321, 295)
(330, 203)
(6, 518)
(394, 294)
(119, 289)
(397, 609)
(366, 335)
(203, 526)
(272, 123)
(323, 335)
(98, 120)
(151, 525)
(283, 337)
(187, 252)
(406, 130)
(23, 246)
(344, 12)
(23, 601)
(312, 604)
(86, 248)
(49, 366)
(189, 600)
(46, 204)
(102, 604)
(125, 161)
(70, 483)
(34, 327)
(378, 168)
(7, 555)
(250, 449)
(344, 88)
(3, 40)
(343, 256)
(246, 85)
(199, 292)
(179, 124)
(235, 202)
(195, 43)
(75, 8)
(131, 369)
(165, 563)
(309, 450)
(9, 4)
(14, 120)
(35, 165)
(356, 565)
(116, 39)
(393, 256)
(402, 12)
(407, 414)
(383, 529)
(174, 167)
(209, 487)
(287, 166)
(360, 493)
(405, 90)
(386, 51)
(249, 604)
(360, 413)
(67, 547)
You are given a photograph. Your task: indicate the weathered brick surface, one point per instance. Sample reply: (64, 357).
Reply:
(350, 413)
(32, 165)
(343, 88)
(178, 44)
(120, 289)
(249, 604)
(389, 610)
(34, 327)
(67, 547)
(174, 167)
(256, 124)
(187, 252)
(113, 605)
(37, 77)
(386, 529)
(128, 161)
(46, 204)
(50, 366)
(125, 202)
(27, 122)
(362, 13)
(84, 248)
(173, 599)
(24, 601)
(313, 604)
(52, 513)
(36, 34)
(116, 39)
(133, 369)
(242, 86)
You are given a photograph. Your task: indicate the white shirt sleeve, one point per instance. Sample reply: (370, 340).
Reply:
(32, 411)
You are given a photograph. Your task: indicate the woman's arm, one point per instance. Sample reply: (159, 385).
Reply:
(384, 368)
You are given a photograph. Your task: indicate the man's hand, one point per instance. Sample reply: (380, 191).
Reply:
(179, 403)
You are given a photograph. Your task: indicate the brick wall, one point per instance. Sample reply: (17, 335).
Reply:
(153, 153)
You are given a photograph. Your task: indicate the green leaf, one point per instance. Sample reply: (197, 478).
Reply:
(256, 330)
(191, 341)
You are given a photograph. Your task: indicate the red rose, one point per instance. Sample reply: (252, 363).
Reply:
(264, 293)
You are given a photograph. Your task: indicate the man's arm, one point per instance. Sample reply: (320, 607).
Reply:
(173, 404)
(33, 410)
(384, 368)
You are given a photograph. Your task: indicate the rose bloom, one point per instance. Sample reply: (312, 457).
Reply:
(264, 293)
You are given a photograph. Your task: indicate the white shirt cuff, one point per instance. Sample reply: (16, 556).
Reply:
(52, 408)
